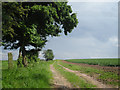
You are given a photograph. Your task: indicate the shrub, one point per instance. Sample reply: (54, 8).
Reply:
(48, 54)
(19, 62)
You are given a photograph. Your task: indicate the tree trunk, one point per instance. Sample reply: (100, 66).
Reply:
(20, 53)
(19, 56)
(24, 62)
(46, 59)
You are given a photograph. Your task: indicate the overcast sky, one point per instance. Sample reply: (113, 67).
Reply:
(95, 36)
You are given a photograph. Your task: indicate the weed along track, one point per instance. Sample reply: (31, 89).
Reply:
(74, 80)
(88, 78)
(59, 81)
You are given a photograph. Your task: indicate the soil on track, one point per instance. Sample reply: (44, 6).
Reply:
(88, 78)
(105, 68)
(59, 81)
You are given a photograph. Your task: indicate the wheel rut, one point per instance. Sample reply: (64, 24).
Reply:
(88, 78)
(59, 81)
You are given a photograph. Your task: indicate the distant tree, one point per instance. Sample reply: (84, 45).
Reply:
(32, 55)
(26, 24)
(48, 54)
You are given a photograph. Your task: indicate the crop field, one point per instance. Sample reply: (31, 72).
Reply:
(101, 62)
(105, 77)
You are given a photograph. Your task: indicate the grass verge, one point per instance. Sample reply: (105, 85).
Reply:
(36, 75)
(73, 78)
(106, 77)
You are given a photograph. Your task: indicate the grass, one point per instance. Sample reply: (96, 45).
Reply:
(101, 62)
(5, 64)
(37, 75)
(0, 74)
(105, 77)
(73, 78)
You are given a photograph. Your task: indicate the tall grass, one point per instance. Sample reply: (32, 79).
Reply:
(0, 74)
(36, 75)
(101, 62)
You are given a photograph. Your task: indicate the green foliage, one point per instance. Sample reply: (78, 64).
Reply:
(10, 61)
(30, 23)
(36, 75)
(48, 54)
(101, 62)
(32, 59)
(32, 55)
(19, 62)
(73, 79)
(106, 77)
(47, 17)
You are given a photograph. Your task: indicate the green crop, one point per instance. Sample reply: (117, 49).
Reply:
(101, 62)
(106, 77)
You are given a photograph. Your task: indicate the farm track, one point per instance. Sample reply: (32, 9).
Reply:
(88, 78)
(105, 68)
(59, 81)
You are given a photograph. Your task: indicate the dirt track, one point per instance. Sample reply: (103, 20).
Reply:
(88, 78)
(59, 81)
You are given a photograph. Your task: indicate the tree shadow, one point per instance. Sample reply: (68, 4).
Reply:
(57, 87)
(40, 77)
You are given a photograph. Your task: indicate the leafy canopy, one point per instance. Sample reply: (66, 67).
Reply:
(29, 23)
(48, 54)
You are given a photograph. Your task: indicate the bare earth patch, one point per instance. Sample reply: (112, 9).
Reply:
(59, 81)
(105, 68)
(88, 78)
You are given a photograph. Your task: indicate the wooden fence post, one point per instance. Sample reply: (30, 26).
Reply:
(10, 60)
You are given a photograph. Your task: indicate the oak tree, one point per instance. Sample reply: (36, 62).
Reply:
(28, 24)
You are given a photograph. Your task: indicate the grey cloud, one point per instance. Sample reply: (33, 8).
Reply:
(95, 35)
(96, 19)
(81, 47)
